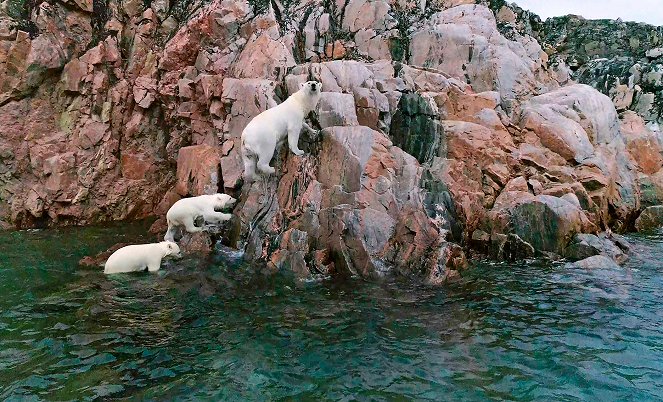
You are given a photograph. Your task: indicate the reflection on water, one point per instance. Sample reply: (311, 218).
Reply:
(214, 328)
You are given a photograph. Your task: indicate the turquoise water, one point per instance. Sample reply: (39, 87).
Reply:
(211, 328)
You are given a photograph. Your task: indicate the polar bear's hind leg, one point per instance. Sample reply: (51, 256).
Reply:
(190, 226)
(264, 157)
(249, 165)
(170, 234)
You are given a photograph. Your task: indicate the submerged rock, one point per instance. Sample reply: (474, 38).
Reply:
(595, 262)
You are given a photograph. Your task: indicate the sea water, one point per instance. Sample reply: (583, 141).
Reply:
(219, 328)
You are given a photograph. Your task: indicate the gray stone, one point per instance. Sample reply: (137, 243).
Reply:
(337, 109)
(654, 53)
(588, 245)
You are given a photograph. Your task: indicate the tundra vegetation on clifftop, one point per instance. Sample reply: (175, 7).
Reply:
(445, 126)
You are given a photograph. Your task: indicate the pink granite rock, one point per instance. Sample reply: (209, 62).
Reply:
(198, 170)
(472, 138)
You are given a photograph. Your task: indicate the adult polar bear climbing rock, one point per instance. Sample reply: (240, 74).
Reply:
(185, 211)
(264, 133)
(138, 257)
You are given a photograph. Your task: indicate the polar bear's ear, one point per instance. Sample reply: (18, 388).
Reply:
(301, 85)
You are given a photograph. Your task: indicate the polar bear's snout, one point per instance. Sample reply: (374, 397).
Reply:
(314, 86)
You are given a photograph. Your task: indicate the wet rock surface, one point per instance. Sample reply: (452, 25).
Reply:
(442, 130)
(588, 245)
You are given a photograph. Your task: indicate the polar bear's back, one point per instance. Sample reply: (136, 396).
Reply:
(274, 121)
(188, 206)
(132, 258)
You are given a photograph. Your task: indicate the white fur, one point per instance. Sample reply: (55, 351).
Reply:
(137, 257)
(263, 134)
(185, 211)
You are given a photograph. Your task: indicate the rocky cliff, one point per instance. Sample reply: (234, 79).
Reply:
(445, 127)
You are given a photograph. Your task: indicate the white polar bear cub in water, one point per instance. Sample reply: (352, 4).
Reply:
(185, 211)
(140, 256)
(263, 134)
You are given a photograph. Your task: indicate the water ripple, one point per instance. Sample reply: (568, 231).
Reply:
(216, 329)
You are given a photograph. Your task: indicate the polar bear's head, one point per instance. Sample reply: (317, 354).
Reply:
(311, 87)
(310, 91)
(222, 201)
(171, 249)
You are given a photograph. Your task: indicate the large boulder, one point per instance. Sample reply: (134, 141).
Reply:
(571, 120)
(546, 223)
(337, 109)
(643, 145)
(198, 170)
(651, 189)
(416, 128)
(475, 167)
(651, 218)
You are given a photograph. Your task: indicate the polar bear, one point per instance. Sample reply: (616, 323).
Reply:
(268, 129)
(185, 211)
(137, 257)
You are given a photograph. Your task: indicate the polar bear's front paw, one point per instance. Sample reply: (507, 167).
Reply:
(298, 152)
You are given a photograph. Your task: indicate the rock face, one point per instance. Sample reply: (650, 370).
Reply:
(352, 208)
(443, 128)
(546, 223)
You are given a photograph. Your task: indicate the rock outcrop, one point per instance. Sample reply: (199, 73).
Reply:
(444, 128)
(624, 60)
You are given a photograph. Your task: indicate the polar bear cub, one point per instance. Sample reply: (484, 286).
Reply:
(264, 133)
(137, 257)
(185, 211)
